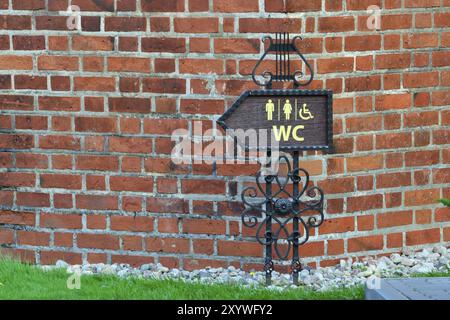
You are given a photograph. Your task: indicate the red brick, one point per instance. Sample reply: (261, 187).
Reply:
(269, 25)
(28, 42)
(33, 199)
(202, 226)
(420, 79)
(393, 101)
(92, 43)
(175, 45)
(203, 246)
(420, 40)
(129, 105)
(8, 62)
(168, 225)
(97, 241)
(129, 64)
(421, 158)
(17, 217)
(157, 85)
(441, 19)
(94, 84)
(394, 240)
(94, 202)
(395, 179)
(338, 225)
(101, 163)
(393, 219)
(130, 145)
(292, 6)
(203, 186)
(338, 185)
(362, 43)
(123, 24)
(132, 224)
(365, 243)
(239, 248)
(442, 214)
(422, 237)
(164, 126)
(335, 247)
(336, 24)
(33, 238)
(421, 119)
(235, 6)
(368, 83)
(393, 61)
(31, 160)
(136, 184)
(421, 197)
(162, 5)
(15, 22)
(335, 65)
(365, 163)
(59, 142)
(393, 140)
(169, 245)
(6, 236)
(60, 221)
(361, 124)
(422, 3)
(236, 45)
(198, 66)
(64, 181)
(162, 205)
(196, 25)
(364, 203)
(95, 124)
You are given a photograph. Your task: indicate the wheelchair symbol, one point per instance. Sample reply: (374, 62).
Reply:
(304, 113)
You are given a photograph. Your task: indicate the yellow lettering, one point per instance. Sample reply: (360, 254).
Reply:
(283, 133)
(294, 133)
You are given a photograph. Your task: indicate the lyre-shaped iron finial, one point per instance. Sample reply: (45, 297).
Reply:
(282, 47)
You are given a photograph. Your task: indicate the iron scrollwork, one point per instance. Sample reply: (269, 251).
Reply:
(282, 47)
(282, 207)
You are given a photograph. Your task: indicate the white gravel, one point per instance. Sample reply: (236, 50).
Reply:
(347, 273)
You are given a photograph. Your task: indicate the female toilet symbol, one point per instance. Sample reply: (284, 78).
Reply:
(287, 109)
(305, 114)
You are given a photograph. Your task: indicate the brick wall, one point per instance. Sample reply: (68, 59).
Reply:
(86, 119)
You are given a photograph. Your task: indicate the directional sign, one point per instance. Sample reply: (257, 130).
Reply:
(296, 119)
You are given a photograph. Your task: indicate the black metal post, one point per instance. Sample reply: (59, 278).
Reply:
(295, 257)
(268, 266)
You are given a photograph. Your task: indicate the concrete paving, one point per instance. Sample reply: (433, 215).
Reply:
(411, 289)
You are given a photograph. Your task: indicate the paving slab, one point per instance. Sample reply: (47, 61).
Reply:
(411, 289)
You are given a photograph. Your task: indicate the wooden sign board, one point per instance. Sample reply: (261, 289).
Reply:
(296, 119)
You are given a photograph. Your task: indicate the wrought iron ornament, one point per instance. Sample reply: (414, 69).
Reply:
(282, 47)
(282, 211)
(287, 217)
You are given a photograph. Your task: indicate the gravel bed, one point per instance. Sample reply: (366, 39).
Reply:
(347, 273)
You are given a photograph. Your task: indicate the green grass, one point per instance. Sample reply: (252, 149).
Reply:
(433, 274)
(23, 281)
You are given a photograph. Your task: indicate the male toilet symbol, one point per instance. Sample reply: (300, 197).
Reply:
(287, 109)
(270, 108)
(305, 114)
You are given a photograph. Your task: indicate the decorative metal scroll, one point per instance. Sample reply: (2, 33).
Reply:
(282, 47)
(303, 208)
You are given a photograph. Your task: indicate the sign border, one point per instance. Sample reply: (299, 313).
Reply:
(291, 92)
